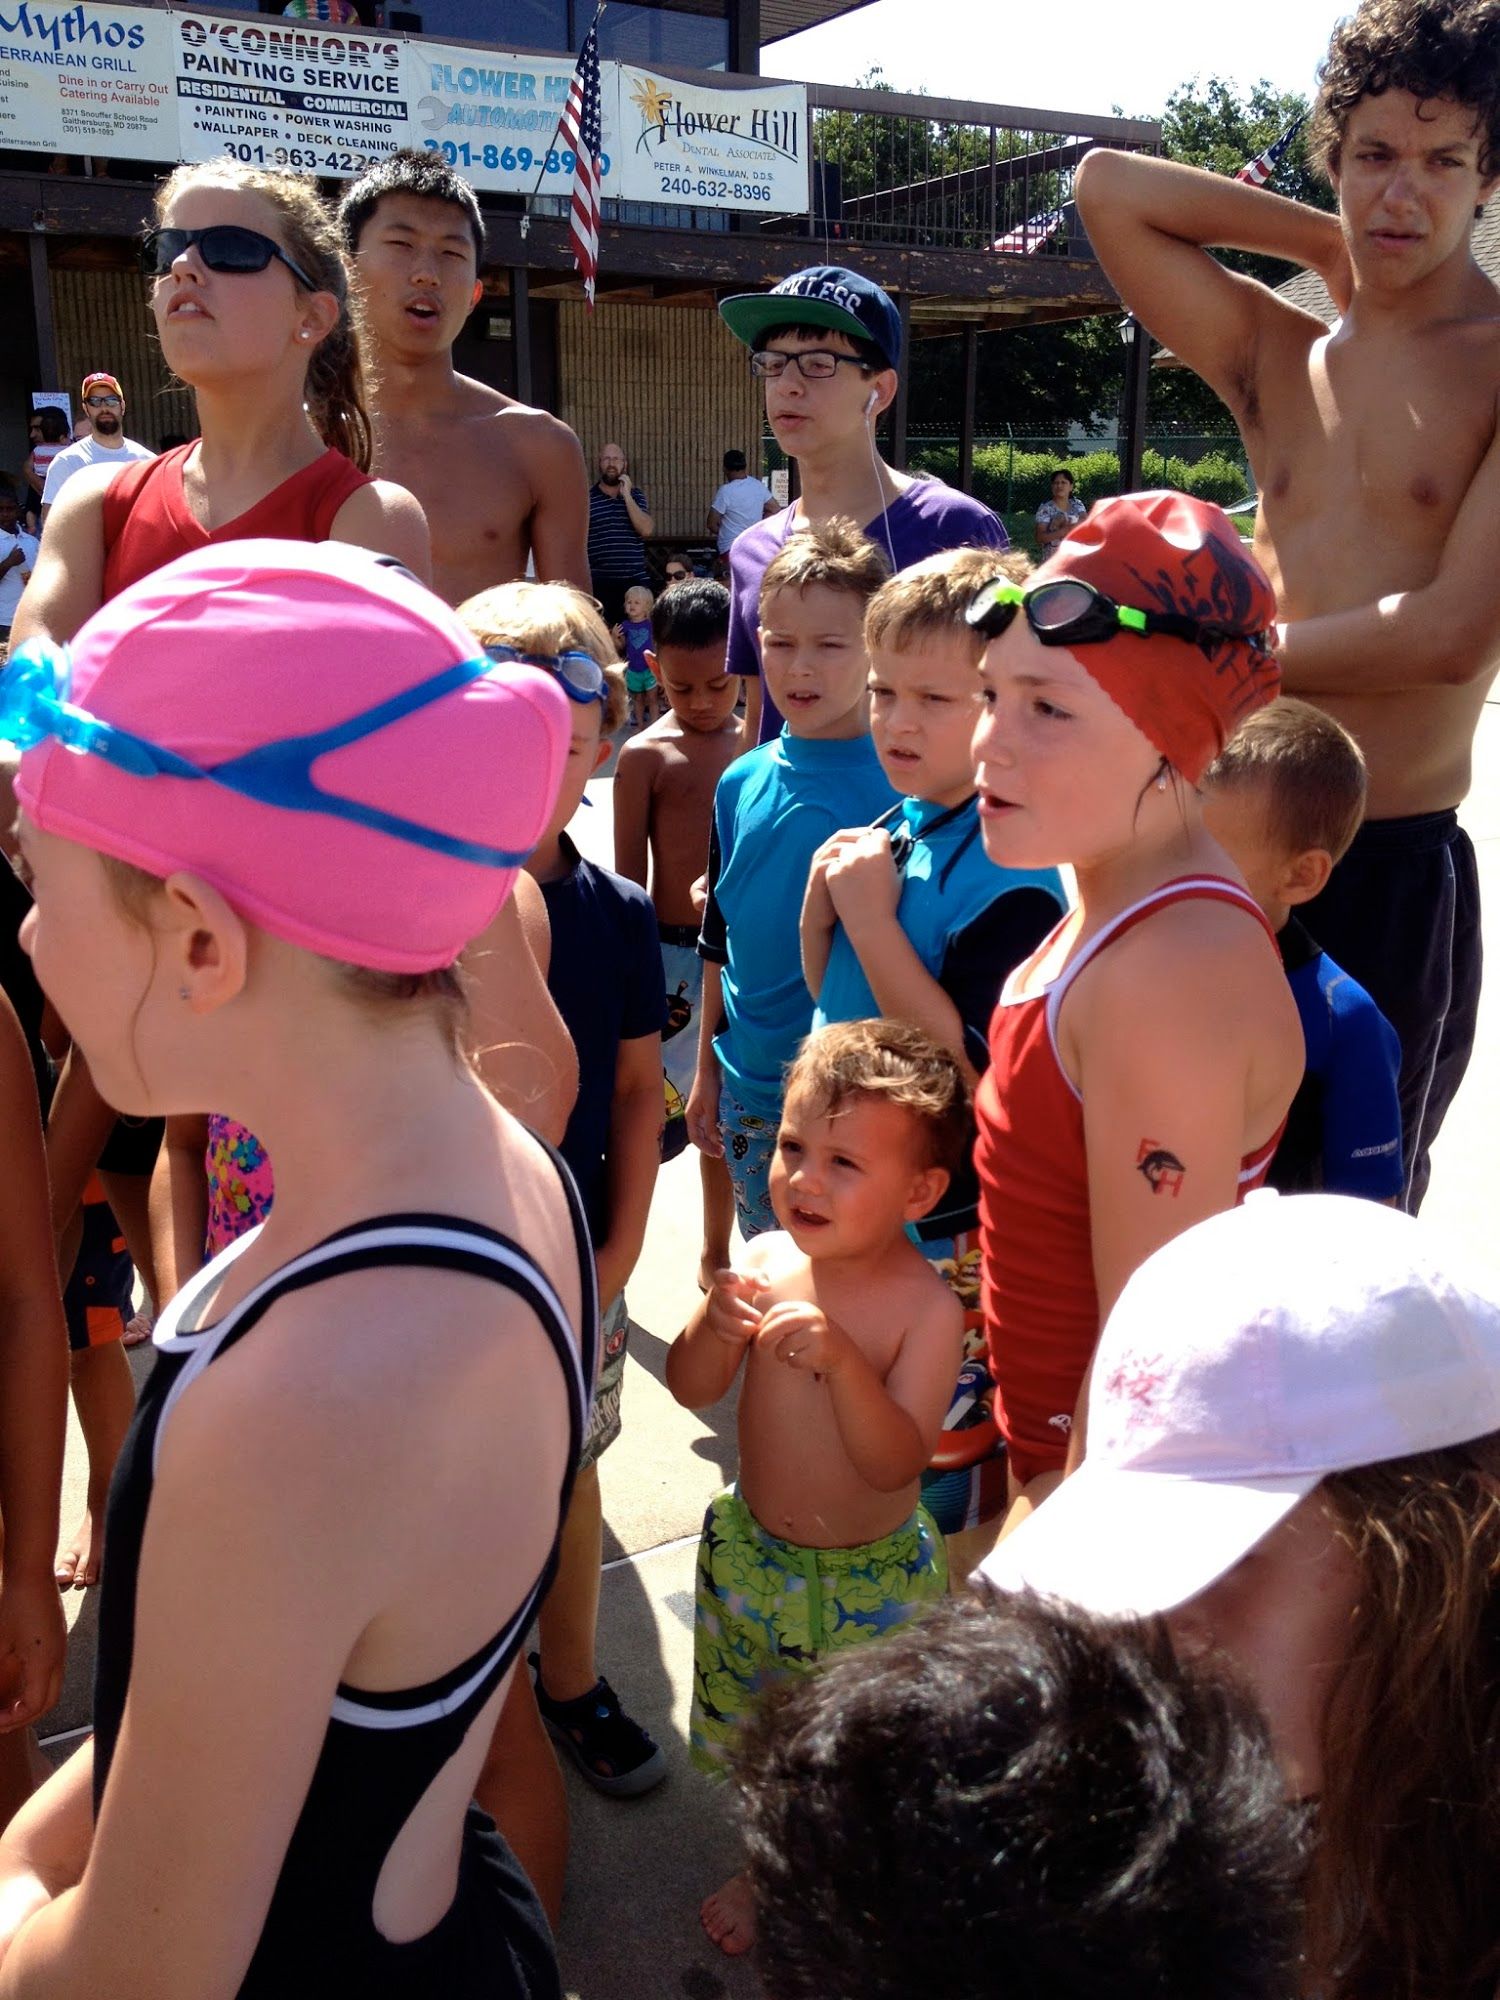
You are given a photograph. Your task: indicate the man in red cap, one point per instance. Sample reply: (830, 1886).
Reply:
(105, 444)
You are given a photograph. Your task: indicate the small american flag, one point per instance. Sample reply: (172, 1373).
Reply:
(1263, 167)
(581, 133)
(1029, 236)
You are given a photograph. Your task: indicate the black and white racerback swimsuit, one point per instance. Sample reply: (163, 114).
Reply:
(382, 1750)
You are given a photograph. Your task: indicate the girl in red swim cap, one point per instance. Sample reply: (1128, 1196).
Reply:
(1143, 1059)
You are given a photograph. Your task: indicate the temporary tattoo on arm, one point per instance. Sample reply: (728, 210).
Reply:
(1163, 1171)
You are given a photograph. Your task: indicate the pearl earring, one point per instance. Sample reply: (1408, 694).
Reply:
(1161, 781)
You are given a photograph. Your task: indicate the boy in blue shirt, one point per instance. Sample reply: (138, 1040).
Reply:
(773, 809)
(1284, 799)
(911, 919)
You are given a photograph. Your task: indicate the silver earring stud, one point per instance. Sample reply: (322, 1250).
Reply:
(1161, 781)
(183, 994)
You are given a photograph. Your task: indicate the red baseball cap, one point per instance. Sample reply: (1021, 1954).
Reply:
(100, 380)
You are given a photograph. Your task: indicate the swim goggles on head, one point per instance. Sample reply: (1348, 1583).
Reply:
(1066, 611)
(579, 675)
(34, 706)
(226, 247)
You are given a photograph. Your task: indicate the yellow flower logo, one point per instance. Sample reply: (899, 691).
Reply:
(651, 100)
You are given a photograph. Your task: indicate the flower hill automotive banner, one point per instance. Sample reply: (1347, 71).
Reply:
(494, 117)
(87, 79)
(702, 148)
(278, 93)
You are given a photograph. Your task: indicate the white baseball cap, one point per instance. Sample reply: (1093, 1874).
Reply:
(1248, 1358)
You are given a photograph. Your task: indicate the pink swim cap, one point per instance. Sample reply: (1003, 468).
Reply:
(245, 645)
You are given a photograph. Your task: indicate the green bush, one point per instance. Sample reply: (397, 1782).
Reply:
(1219, 478)
(1012, 481)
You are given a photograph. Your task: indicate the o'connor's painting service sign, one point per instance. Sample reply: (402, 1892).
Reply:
(277, 93)
(87, 79)
(744, 149)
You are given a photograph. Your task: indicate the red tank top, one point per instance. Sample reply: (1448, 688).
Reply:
(1041, 1308)
(147, 520)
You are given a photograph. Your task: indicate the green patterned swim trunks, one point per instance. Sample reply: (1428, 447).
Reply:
(766, 1608)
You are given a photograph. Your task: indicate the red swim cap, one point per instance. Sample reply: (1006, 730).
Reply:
(1169, 552)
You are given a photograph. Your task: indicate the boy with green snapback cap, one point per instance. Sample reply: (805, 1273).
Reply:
(827, 343)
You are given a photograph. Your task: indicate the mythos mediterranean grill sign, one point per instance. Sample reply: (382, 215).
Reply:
(87, 80)
(698, 147)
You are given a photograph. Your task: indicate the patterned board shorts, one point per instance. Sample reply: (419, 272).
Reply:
(765, 1609)
(604, 1412)
(682, 970)
(749, 1148)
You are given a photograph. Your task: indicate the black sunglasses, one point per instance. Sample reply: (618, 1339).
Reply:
(225, 247)
(1069, 612)
(676, 575)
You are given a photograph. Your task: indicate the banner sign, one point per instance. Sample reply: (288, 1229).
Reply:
(494, 117)
(87, 80)
(278, 93)
(707, 148)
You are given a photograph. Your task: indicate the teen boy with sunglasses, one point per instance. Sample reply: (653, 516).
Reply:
(827, 344)
(106, 443)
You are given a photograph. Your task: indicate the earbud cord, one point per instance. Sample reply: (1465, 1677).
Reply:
(879, 483)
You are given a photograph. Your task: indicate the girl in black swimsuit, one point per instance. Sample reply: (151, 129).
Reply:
(341, 1497)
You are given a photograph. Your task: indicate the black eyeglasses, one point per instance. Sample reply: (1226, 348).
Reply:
(1070, 612)
(225, 247)
(814, 364)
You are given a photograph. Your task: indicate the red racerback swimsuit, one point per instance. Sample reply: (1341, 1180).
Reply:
(1041, 1308)
(148, 522)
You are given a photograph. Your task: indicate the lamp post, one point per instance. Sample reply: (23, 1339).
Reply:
(1137, 344)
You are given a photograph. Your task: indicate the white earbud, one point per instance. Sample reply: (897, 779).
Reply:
(871, 400)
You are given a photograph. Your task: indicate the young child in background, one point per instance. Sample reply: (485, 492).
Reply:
(664, 803)
(633, 636)
(910, 918)
(1143, 1058)
(773, 810)
(605, 976)
(1284, 799)
(849, 1341)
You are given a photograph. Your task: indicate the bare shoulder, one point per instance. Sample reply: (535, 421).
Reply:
(523, 427)
(1162, 969)
(643, 753)
(773, 1257)
(387, 518)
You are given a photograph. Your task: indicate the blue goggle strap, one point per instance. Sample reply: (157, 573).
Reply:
(276, 774)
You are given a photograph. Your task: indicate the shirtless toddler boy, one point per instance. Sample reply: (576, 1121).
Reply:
(850, 1342)
(1376, 450)
(664, 802)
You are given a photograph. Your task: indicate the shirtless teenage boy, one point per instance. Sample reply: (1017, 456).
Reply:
(499, 481)
(1375, 450)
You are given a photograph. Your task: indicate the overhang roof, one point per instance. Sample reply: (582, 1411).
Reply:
(789, 17)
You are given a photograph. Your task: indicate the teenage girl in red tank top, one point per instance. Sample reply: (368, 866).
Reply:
(1142, 1060)
(250, 296)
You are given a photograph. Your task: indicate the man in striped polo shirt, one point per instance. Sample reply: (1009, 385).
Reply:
(619, 527)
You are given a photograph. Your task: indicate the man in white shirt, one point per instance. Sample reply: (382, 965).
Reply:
(739, 503)
(105, 444)
(17, 555)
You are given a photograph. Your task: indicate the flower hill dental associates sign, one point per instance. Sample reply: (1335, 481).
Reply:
(136, 83)
(85, 79)
(703, 148)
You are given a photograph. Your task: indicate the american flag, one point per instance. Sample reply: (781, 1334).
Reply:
(581, 133)
(1263, 167)
(1029, 236)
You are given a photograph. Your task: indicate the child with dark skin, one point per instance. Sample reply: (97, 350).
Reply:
(664, 796)
(1376, 450)
(849, 1342)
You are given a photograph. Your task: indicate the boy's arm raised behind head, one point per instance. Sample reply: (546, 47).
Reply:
(1445, 634)
(1152, 223)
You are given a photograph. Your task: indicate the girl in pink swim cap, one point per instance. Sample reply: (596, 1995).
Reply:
(266, 797)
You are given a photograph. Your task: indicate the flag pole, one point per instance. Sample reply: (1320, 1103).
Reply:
(527, 200)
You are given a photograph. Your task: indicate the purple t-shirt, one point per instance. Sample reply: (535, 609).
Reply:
(923, 521)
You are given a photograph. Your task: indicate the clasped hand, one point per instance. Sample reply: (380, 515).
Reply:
(799, 1334)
